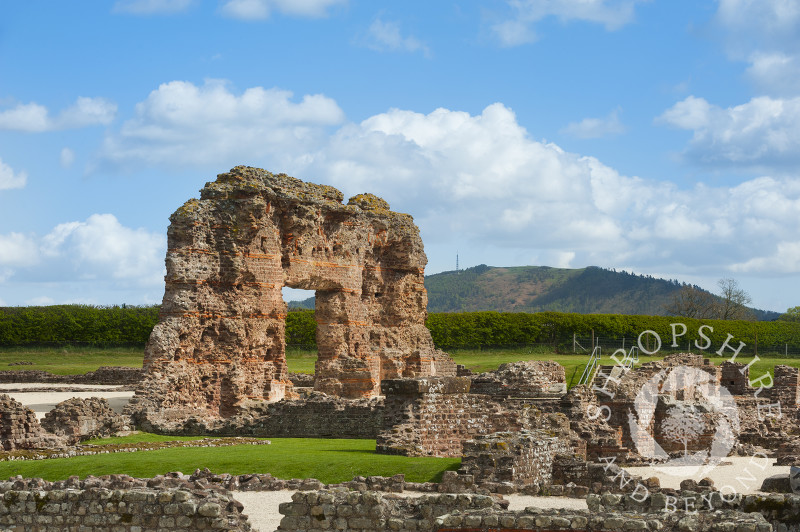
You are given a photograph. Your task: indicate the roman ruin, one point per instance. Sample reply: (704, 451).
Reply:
(219, 343)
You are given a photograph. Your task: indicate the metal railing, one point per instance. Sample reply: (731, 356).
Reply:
(588, 371)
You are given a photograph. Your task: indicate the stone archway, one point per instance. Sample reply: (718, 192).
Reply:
(220, 338)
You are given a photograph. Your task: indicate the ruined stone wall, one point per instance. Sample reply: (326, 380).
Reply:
(315, 417)
(103, 375)
(118, 503)
(434, 416)
(522, 458)
(19, 428)
(786, 386)
(541, 378)
(220, 339)
(341, 510)
(83, 419)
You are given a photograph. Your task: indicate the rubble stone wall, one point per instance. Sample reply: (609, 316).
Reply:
(522, 458)
(315, 417)
(434, 416)
(96, 510)
(370, 511)
(19, 428)
(104, 375)
(541, 378)
(220, 337)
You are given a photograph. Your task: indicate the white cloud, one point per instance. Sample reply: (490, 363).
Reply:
(595, 128)
(261, 9)
(481, 178)
(67, 157)
(386, 36)
(766, 34)
(183, 124)
(35, 118)
(101, 246)
(613, 14)
(99, 249)
(474, 178)
(18, 250)
(150, 7)
(764, 132)
(785, 259)
(775, 72)
(10, 179)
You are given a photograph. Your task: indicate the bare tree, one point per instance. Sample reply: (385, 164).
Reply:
(694, 302)
(733, 301)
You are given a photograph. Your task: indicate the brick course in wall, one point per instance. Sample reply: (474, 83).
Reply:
(434, 416)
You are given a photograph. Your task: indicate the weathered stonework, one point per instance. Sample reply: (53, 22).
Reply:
(220, 339)
(19, 428)
(434, 416)
(538, 378)
(522, 458)
(83, 419)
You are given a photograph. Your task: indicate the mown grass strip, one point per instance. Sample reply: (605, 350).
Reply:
(330, 461)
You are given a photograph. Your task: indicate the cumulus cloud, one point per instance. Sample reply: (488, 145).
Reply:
(183, 124)
(150, 7)
(519, 29)
(477, 178)
(17, 250)
(483, 178)
(595, 128)
(262, 9)
(35, 118)
(10, 179)
(387, 37)
(96, 249)
(766, 34)
(764, 132)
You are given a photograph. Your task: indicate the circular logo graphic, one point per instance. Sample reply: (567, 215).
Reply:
(687, 411)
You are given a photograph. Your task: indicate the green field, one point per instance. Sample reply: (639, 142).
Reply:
(74, 360)
(327, 460)
(70, 360)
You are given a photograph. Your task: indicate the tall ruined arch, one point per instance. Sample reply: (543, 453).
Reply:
(220, 339)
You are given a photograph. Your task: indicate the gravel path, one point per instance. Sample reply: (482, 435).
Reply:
(740, 474)
(43, 402)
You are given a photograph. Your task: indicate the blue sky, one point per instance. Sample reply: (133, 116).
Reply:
(660, 137)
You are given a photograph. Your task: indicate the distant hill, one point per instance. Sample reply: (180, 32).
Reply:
(590, 290)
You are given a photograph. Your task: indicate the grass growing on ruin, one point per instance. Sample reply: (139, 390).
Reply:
(70, 360)
(327, 460)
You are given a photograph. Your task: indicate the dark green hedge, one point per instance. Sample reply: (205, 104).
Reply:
(486, 329)
(88, 325)
(76, 324)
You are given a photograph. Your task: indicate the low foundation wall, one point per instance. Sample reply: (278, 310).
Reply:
(110, 375)
(118, 503)
(371, 511)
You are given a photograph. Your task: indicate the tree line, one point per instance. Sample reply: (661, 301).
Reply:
(131, 325)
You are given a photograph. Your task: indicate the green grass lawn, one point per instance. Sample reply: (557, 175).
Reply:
(70, 360)
(327, 460)
(75, 360)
